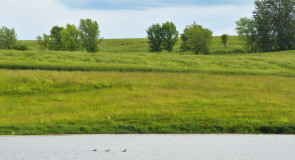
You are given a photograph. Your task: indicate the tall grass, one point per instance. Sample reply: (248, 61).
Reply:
(280, 63)
(140, 92)
(51, 102)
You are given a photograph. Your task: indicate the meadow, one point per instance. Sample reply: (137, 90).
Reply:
(125, 89)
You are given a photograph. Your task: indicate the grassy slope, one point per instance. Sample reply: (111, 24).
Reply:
(141, 45)
(236, 93)
(40, 102)
(281, 63)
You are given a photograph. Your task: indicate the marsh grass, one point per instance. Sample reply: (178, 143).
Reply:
(125, 89)
(51, 102)
(278, 63)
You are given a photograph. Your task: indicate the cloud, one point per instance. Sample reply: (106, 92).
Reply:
(32, 18)
(145, 4)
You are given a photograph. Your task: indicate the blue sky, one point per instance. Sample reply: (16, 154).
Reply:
(122, 18)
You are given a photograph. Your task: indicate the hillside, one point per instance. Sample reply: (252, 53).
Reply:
(125, 89)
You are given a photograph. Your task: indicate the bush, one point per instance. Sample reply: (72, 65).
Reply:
(7, 38)
(196, 39)
(21, 47)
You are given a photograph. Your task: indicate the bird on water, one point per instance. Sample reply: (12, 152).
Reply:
(108, 150)
(125, 150)
(94, 150)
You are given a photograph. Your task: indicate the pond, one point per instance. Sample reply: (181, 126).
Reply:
(149, 147)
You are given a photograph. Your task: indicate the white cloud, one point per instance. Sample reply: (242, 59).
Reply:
(31, 18)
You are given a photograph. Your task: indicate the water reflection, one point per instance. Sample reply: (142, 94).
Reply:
(149, 147)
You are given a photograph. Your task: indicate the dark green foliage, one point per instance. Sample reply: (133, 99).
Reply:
(263, 15)
(184, 37)
(7, 38)
(275, 20)
(224, 39)
(21, 47)
(154, 34)
(89, 34)
(129, 128)
(196, 39)
(272, 27)
(169, 36)
(284, 23)
(277, 129)
(55, 42)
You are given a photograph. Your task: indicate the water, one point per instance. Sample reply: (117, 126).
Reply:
(149, 147)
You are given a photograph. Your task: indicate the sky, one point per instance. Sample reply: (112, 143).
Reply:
(122, 18)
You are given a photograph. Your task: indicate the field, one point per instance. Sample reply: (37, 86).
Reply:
(125, 89)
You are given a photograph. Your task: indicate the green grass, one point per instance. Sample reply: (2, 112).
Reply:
(141, 45)
(280, 63)
(125, 89)
(50, 102)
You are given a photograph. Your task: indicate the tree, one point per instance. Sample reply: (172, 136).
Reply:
(55, 42)
(197, 38)
(246, 30)
(263, 22)
(7, 38)
(90, 34)
(184, 39)
(43, 41)
(71, 38)
(169, 36)
(272, 27)
(284, 23)
(224, 39)
(154, 34)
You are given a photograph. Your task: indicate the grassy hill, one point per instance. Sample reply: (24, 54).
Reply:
(141, 45)
(125, 89)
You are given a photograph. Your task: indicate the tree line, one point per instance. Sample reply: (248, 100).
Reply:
(271, 28)
(72, 38)
(195, 38)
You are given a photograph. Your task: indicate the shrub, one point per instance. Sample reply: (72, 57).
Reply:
(21, 47)
(7, 38)
(196, 39)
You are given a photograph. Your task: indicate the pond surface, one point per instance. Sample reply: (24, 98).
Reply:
(149, 147)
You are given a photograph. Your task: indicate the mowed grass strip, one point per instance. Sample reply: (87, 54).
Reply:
(51, 102)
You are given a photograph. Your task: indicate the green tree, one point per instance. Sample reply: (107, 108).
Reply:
(198, 39)
(90, 34)
(224, 39)
(154, 34)
(70, 38)
(283, 21)
(7, 38)
(184, 38)
(43, 41)
(169, 36)
(55, 41)
(246, 30)
(263, 24)
(272, 27)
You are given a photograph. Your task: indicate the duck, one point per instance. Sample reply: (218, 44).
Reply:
(108, 150)
(125, 150)
(94, 150)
